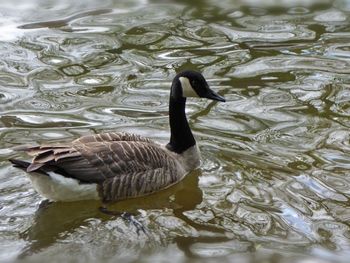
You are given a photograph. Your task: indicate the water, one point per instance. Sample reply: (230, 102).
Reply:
(274, 183)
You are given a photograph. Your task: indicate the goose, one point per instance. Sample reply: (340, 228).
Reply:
(116, 165)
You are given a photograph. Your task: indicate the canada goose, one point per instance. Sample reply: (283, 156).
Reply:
(114, 166)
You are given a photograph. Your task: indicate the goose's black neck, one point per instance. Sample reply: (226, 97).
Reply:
(181, 136)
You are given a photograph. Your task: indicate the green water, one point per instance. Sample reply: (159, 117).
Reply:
(274, 184)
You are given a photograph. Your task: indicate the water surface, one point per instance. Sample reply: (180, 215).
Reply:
(274, 183)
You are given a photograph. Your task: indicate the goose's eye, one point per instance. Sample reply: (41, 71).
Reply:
(193, 83)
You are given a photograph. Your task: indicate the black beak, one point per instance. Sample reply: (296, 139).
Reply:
(214, 96)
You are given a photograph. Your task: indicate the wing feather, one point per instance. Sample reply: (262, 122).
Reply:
(112, 136)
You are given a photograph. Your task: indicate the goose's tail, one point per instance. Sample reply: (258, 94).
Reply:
(20, 164)
(26, 166)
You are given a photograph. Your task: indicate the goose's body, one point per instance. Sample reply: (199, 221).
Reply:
(115, 166)
(111, 166)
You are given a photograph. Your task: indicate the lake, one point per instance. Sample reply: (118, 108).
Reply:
(274, 184)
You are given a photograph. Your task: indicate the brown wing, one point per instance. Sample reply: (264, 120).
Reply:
(108, 158)
(65, 160)
(59, 153)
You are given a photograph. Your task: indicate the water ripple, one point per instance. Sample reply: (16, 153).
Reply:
(93, 80)
(173, 42)
(268, 32)
(99, 59)
(320, 189)
(297, 221)
(208, 250)
(74, 70)
(37, 121)
(331, 16)
(283, 63)
(143, 38)
(12, 79)
(55, 60)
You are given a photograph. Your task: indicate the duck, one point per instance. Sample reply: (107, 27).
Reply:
(114, 166)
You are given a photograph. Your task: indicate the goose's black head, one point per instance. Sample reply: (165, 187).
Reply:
(192, 84)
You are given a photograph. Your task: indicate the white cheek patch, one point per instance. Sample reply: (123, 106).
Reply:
(187, 90)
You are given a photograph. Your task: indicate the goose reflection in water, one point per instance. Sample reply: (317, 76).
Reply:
(54, 221)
